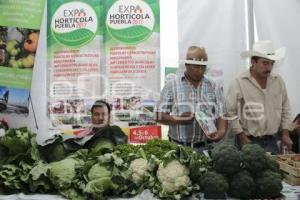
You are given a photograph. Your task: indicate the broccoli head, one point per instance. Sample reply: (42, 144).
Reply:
(242, 186)
(254, 158)
(268, 185)
(273, 165)
(226, 159)
(214, 185)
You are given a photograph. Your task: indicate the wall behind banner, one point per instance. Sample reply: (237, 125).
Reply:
(284, 29)
(221, 27)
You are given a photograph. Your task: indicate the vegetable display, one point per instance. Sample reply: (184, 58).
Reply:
(246, 174)
(103, 171)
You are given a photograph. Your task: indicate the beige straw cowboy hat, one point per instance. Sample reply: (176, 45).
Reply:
(196, 56)
(265, 49)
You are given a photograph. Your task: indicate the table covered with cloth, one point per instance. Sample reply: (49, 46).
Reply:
(288, 192)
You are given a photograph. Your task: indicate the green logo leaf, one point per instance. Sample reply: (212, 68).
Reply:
(130, 35)
(74, 38)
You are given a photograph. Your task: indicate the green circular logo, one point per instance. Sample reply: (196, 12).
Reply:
(130, 22)
(74, 24)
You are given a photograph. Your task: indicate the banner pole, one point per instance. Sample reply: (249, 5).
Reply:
(36, 125)
(251, 29)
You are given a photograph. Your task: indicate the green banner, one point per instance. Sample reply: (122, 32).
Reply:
(15, 78)
(20, 22)
(74, 42)
(132, 58)
(21, 13)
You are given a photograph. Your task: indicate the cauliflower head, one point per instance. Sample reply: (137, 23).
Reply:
(173, 177)
(139, 169)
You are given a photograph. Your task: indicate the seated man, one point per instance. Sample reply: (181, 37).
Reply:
(295, 134)
(100, 125)
(100, 135)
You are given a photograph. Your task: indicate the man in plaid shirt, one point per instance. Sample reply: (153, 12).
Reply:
(186, 96)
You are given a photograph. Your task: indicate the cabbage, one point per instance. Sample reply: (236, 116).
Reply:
(100, 145)
(98, 171)
(62, 173)
(21, 145)
(100, 185)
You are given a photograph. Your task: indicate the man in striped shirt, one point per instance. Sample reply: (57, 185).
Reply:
(187, 95)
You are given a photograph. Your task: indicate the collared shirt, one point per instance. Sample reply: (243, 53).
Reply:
(179, 96)
(255, 110)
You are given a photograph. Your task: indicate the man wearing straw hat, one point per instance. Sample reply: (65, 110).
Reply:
(185, 96)
(257, 101)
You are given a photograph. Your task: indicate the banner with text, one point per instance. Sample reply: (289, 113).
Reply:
(143, 134)
(75, 37)
(132, 59)
(20, 23)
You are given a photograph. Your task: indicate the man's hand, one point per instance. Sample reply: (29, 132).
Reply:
(216, 136)
(243, 139)
(286, 140)
(221, 130)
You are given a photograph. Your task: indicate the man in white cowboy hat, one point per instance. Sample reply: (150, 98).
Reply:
(257, 102)
(184, 95)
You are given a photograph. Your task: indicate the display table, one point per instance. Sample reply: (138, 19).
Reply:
(289, 192)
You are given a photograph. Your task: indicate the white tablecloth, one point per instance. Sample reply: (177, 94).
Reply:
(290, 193)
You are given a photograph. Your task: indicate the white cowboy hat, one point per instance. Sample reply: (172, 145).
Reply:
(196, 56)
(265, 49)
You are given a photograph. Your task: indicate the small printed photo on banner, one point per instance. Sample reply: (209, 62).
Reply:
(69, 125)
(133, 110)
(56, 107)
(14, 100)
(116, 104)
(126, 101)
(132, 103)
(67, 120)
(70, 121)
(122, 116)
(75, 106)
(141, 119)
(70, 115)
(18, 47)
(86, 119)
(148, 105)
